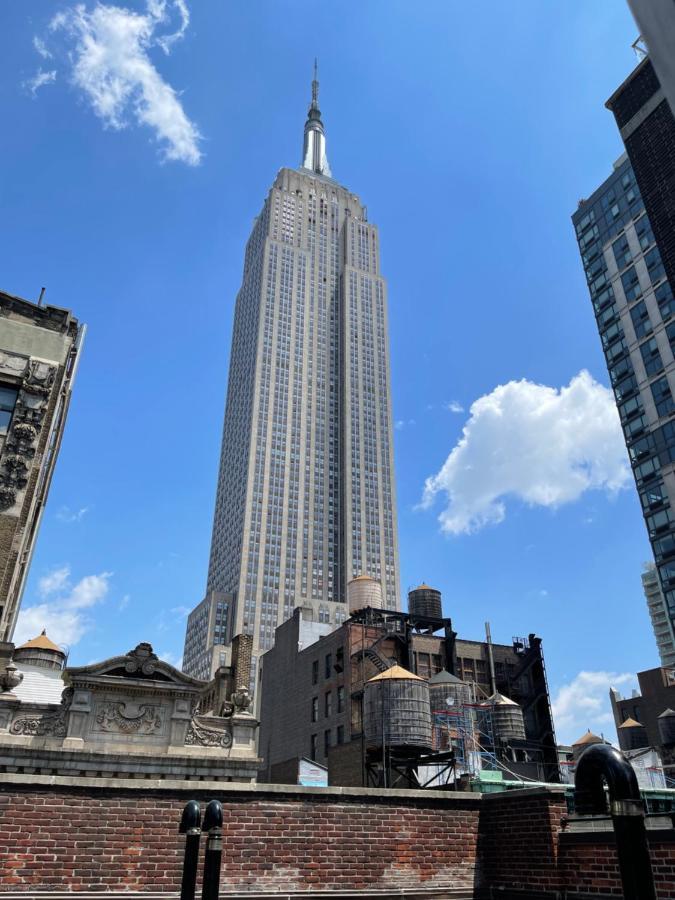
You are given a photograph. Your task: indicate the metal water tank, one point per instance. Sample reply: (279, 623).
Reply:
(507, 718)
(425, 601)
(447, 690)
(397, 703)
(364, 591)
(667, 726)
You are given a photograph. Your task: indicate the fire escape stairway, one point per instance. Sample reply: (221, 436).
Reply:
(380, 663)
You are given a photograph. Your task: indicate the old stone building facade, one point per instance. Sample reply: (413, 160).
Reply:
(130, 716)
(39, 351)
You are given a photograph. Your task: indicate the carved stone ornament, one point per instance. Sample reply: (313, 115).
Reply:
(16, 463)
(10, 678)
(241, 699)
(39, 379)
(112, 717)
(201, 735)
(7, 497)
(24, 432)
(141, 660)
(52, 724)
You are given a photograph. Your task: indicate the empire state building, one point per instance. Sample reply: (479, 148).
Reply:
(305, 498)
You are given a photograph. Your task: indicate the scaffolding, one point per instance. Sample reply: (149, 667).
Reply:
(466, 729)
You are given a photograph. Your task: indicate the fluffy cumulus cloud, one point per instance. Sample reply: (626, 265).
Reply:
(64, 606)
(584, 704)
(108, 55)
(542, 445)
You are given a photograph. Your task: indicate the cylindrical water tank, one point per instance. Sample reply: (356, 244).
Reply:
(667, 726)
(397, 712)
(425, 601)
(41, 652)
(364, 591)
(507, 718)
(447, 691)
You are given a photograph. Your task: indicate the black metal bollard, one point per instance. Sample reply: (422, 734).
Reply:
(190, 827)
(597, 765)
(213, 824)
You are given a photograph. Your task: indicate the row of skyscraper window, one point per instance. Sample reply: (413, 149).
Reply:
(613, 230)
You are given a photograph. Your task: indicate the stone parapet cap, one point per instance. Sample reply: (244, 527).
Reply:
(251, 791)
(552, 791)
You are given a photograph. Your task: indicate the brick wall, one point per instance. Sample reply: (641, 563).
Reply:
(523, 853)
(61, 834)
(107, 838)
(518, 842)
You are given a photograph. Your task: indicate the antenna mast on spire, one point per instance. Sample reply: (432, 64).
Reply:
(315, 83)
(314, 145)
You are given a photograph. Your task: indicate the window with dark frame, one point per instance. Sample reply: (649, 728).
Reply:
(8, 397)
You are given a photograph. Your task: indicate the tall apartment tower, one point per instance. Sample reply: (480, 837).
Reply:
(658, 613)
(305, 498)
(39, 350)
(626, 235)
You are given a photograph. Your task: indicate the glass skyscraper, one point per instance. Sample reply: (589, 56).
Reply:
(626, 236)
(305, 498)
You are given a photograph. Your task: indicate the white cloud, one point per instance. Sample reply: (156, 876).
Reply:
(173, 659)
(110, 64)
(40, 79)
(63, 616)
(584, 704)
(124, 602)
(453, 406)
(404, 423)
(41, 48)
(56, 580)
(542, 445)
(66, 514)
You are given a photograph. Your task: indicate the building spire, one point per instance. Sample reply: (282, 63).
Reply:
(314, 145)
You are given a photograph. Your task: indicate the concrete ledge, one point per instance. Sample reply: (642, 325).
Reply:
(554, 790)
(605, 838)
(409, 893)
(250, 791)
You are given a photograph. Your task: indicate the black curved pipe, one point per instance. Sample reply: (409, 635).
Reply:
(213, 824)
(190, 826)
(600, 765)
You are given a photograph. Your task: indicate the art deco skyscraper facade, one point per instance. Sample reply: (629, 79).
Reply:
(305, 498)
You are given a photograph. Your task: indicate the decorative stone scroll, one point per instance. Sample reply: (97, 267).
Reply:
(50, 725)
(141, 660)
(113, 717)
(199, 734)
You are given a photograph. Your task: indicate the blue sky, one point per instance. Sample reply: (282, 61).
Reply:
(471, 131)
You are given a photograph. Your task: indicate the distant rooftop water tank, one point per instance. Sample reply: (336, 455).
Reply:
(425, 601)
(667, 726)
(42, 652)
(447, 691)
(397, 712)
(508, 723)
(364, 591)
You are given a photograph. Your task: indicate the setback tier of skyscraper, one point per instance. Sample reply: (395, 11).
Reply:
(305, 498)
(626, 235)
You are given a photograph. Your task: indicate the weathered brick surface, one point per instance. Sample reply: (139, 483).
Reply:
(521, 848)
(123, 838)
(127, 840)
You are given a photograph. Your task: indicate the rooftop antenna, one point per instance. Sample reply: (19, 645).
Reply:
(42, 293)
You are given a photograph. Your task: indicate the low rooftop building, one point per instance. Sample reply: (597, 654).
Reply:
(128, 716)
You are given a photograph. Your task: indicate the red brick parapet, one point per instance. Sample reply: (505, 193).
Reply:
(119, 837)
